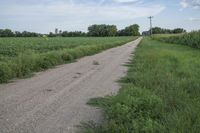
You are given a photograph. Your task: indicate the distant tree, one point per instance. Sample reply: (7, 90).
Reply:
(179, 30)
(51, 34)
(122, 33)
(56, 31)
(29, 34)
(132, 30)
(65, 33)
(60, 32)
(102, 30)
(73, 34)
(18, 34)
(6, 33)
(112, 30)
(158, 30)
(9, 33)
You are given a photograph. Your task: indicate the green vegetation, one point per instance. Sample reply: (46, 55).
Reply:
(160, 94)
(9, 33)
(155, 36)
(132, 30)
(71, 34)
(159, 30)
(191, 39)
(20, 57)
(111, 30)
(102, 30)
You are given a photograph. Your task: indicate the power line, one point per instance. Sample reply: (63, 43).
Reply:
(150, 18)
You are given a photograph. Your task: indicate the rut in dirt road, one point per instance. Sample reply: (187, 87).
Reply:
(54, 101)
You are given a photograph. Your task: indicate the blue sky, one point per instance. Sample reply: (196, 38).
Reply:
(45, 15)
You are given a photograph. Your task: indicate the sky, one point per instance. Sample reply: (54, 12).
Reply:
(43, 16)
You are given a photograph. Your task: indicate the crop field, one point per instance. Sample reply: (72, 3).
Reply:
(159, 94)
(166, 35)
(20, 57)
(191, 39)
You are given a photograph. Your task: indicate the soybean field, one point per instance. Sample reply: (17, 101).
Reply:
(19, 57)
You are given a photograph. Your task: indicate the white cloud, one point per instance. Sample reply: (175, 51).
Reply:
(122, 1)
(195, 4)
(194, 19)
(68, 9)
(184, 4)
(71, 15)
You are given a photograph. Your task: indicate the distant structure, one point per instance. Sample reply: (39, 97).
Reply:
(146, 33)
(150, 18)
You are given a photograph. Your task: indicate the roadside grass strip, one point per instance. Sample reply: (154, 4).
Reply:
(160, 94)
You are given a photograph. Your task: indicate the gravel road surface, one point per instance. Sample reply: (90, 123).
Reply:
(54, 101)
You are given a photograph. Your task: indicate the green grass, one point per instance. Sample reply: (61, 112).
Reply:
(191, 39)
(160, 94)
(20, 57)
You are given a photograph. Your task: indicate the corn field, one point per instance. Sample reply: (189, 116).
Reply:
(191, 39)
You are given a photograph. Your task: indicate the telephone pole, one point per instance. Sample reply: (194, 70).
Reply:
(150, 18)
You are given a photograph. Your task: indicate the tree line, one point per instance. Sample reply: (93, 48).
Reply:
(67, 34)
(101, 30)
(10, 33)
(95, 30)
(159, 30)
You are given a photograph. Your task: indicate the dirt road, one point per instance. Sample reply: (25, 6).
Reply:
(54, 101)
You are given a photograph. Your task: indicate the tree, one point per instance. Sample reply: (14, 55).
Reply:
(111, 30)
(29, 34)
(158, 30)
(56, 31)
(122, 33)
(60, 32)
(18, 34)
(6, 33)
(73, 34)
(102, 30)
(179, 30)
(132, 30)
(65, 34)
(51, 34)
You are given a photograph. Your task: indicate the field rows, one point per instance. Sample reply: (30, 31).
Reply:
(20, 57)
(191, 39)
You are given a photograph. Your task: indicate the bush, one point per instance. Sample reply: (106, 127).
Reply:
(24, 64)
(132, 110)
(66, 56)
(5, 72)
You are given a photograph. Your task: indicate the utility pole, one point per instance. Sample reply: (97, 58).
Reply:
(150, 18)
